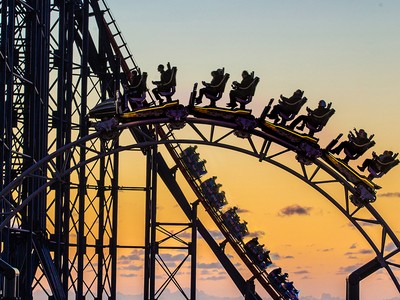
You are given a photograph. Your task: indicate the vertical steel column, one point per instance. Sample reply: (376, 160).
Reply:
(6, 88)
(193, 251)
(5, 101)
(114, 238)
(35, 128)
(100, 237)
(146, 275)
(151, 247)
(81, 247)
(153, 224)
(63, 63)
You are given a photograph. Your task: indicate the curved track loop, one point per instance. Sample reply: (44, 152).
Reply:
(259, 144)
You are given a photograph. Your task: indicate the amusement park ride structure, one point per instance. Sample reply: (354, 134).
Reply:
(60, 162)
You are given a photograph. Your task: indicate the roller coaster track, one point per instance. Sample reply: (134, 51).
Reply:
(192, 134)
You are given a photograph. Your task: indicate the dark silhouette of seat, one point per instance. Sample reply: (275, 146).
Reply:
(291, 110)
(170, 85)
(220, 90)
(249, 91)
(380, 165)
(136, 95)
(317, 122)
(355, 150)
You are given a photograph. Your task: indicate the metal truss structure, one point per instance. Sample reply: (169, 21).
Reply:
(60, 189)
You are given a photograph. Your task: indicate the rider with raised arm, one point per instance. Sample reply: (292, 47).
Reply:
(356, 144)
(313, 115)
(379, 164)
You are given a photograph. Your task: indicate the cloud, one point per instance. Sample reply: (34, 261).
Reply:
(365, 251)
(390, 195)
(349, 269)
(170, 257)
(214, 278)
(327, 250)
(128, 275)
(135, 255)
(214, 265)
(353, 246)
(390, 247)
(131, 268)
(294, 210)
(301, 272)
(275, 256)
(216, 234)
(361, 251)
(258, 233)
(324, 296)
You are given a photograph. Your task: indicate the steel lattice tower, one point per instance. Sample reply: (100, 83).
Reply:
(50, 66)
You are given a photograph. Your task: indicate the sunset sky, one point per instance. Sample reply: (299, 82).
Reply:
(346, 52)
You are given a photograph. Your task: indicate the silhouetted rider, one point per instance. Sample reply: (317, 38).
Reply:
(212, 87)
(287, 105)
(356, 145)
(162, 84)
(314, 116)
(379, 165)
(239, 90)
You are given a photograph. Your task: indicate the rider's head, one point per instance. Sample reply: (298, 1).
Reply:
(362, 133)
(160, 68)
(322, 103)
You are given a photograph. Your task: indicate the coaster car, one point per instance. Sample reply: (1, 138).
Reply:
(212, 194)
(348, 172)
(257, 253)
(217, 113)
(249, 91)
(307, 147)
(112, 109)
(354, 147)
(135, 95)
(289, 291)
(380, 165)
(169, 87)
(276, 277)
(104, 110)
(286, 133)
(232, 222)
(284, 111)
(194, 165)
(279, 281)
(220, 88)
(317, 123)
(354, 150)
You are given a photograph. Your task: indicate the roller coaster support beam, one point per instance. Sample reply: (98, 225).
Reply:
(151, 223)
(169, 180)
(353, 281)
(11, 281)
(193, 251)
